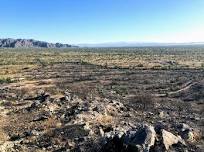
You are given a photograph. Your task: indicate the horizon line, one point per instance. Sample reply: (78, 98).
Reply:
(113, 42)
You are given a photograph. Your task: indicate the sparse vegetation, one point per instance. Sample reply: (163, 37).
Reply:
(121, 57)
(142, 101)
(5, 80)
(202, 65)
(76, 97)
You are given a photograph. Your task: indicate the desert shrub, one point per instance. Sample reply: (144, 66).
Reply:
(140, 65)
(23, 92)
(40, 62)
(51, 123)
(5, 80)
(84, 62)
(142, 101)
(6, 103)
(104, 120)
(121, 90)
(181, 107)
(101, 91)
(202, 65)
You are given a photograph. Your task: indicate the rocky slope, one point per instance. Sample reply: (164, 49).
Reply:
(30, 43)
(68, 123)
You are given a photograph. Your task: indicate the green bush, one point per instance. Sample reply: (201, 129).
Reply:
(202, 65)
(5, 80)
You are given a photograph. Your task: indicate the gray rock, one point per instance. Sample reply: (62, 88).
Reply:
(187, 132)
(145, 137)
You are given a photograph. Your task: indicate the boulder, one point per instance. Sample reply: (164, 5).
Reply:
(144, 137)
(169, 139)
(188, 133)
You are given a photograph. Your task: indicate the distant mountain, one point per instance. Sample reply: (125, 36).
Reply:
(30, 43)
(143, 44)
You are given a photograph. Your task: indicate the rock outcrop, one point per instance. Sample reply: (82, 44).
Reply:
(70, 123)
(144, 137)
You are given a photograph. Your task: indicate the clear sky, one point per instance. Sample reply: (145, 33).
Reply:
(97, 21)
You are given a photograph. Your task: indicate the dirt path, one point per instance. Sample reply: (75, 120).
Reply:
(3, 123)
(183, 89)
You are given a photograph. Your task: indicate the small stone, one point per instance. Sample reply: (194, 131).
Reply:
(101, 132)
(161, 114)
(41, 92)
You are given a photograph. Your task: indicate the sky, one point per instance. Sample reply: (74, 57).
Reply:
(99, 21)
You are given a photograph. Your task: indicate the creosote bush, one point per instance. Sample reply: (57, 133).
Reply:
(5, 80)
(142, 101)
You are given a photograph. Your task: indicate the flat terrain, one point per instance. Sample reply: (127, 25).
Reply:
(55, 100)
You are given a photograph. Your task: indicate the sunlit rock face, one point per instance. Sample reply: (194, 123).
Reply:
(30, 43)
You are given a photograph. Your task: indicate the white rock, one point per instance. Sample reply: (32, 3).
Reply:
(170, 139)
(101, 132)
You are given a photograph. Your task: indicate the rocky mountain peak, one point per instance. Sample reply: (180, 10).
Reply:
(30, 43)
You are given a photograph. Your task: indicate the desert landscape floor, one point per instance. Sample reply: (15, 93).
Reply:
(77, 106)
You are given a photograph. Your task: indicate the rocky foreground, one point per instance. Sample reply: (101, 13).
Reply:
(30, 43)
(40, 122)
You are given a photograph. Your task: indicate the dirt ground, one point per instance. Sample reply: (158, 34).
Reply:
(178, 93)
(95, 99)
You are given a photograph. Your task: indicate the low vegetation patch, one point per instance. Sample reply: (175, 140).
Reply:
(6, 80)
(142, 101)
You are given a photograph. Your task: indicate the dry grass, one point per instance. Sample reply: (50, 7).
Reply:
(14, 70)
(51, 123)
(104, 120)
(111, 110)
(109, 57)
(142, 101)
(3, 136)
(3, 123)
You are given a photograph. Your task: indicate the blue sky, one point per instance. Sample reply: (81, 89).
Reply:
(98, 21)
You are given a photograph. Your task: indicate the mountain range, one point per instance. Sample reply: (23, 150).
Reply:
(30, 43)
(143, 44)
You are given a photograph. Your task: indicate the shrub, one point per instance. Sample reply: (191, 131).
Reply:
(121, 90)
(51, 123)
(5, 80)
(202, 65)
(104, 120)
(142, 101)
(140, 65)
(40, 62)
